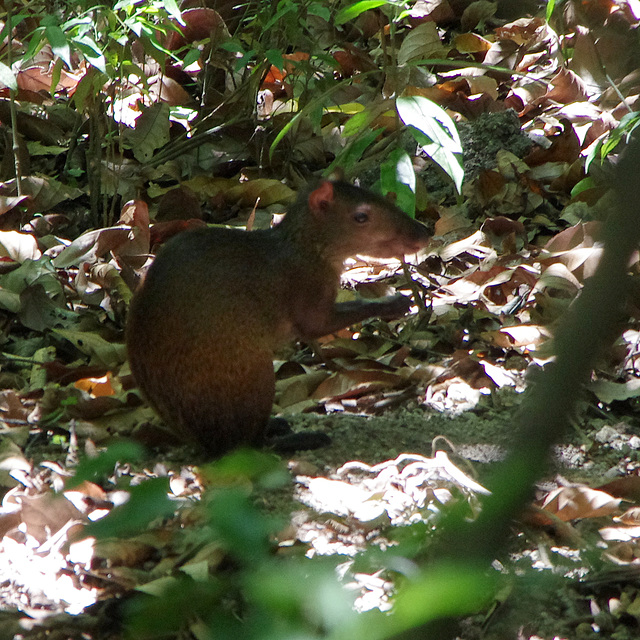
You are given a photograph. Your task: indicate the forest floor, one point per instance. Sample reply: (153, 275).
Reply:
(499, 132)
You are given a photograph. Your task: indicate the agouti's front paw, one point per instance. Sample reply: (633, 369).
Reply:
(394, 306)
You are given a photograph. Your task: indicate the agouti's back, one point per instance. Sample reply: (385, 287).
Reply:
(217, 302)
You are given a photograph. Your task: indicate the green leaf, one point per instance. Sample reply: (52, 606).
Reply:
(156, 46)
(59, 43)
(594, 151)
(260, 468)
(135, 25)
(89, 85)
(148, 501)
(551, 5)
(124, 4)
(364, 118)
(435, 132)
(90, 50)
(318, 9)
(7, 77)
(30, 273)
(239, 525)
(397, 176)
(583, 185)
(174, 11)
(244, 60)
(39, 149)
(285, 7)
(274, 56)
(357, 123)
(232, 46)
(9, 301)
(353, 152)
(35, 42)
(445, 591)
(103, 352)
(628, 124)
(16, 19)
(315, 117)
(421, 42)
(191, 56)
(55, 75)
(318, 99)
(353, 11)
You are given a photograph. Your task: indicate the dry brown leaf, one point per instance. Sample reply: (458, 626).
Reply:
(38, 77)
(352, 384)
(567, 87)
(440, 11)
(557, 276)
(96, 387)
(585, 234)
(581, 261)
(586, 61)
(571, 503)
(526, 336)
(451, 219)
(199, 23)
(565, 147)
(471, 43)
(165, 89)
(8, 203)
(18, 246)
(631, 517)
(527, 31)
(45, 514)
(627, 487)
(123, 553)
(92, 245)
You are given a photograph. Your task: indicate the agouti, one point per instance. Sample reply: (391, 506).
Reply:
(216, 303)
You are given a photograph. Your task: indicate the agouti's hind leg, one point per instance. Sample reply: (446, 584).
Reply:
(233, 409)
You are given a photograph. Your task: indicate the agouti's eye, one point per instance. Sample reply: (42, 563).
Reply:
(361, 217)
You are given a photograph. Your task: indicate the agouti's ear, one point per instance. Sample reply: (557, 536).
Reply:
(321, 198)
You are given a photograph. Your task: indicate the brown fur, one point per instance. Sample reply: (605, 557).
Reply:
(217, 302)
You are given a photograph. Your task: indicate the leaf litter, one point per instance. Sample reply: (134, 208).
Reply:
(489, 292)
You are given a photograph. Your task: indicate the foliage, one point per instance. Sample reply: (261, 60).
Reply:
(266, 596)
(263, 597)
(103, 37)
(99, 34)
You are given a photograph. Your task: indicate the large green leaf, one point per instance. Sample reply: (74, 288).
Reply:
(435, 132)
